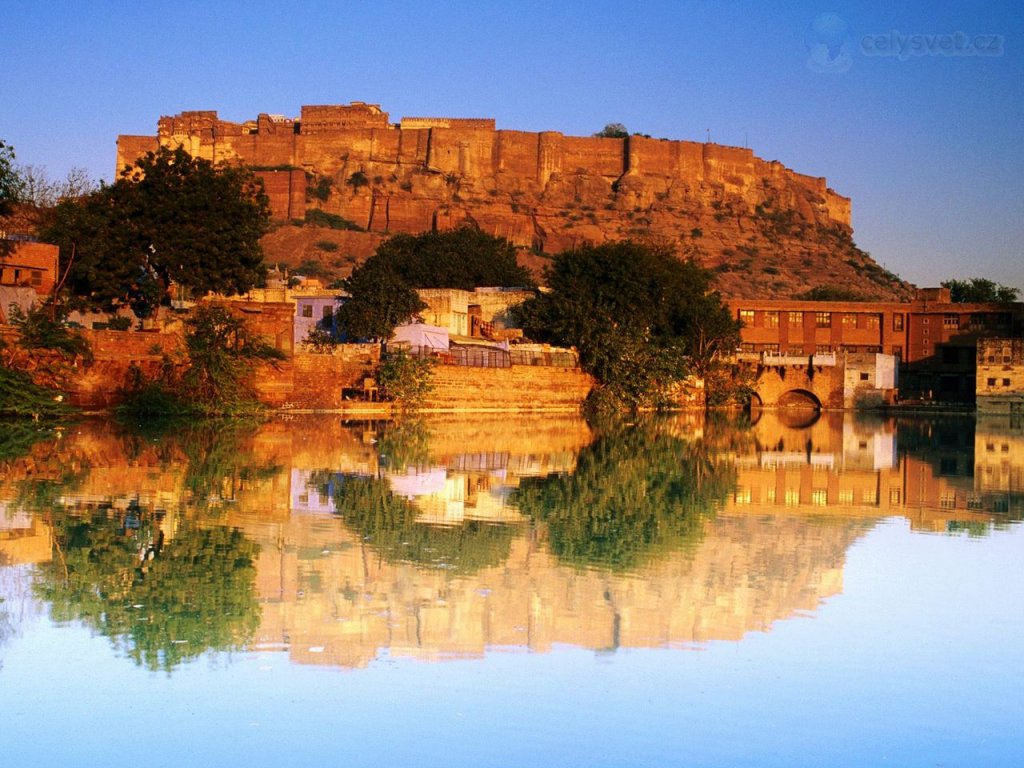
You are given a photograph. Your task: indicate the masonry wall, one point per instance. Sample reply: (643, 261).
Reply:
(526, 388)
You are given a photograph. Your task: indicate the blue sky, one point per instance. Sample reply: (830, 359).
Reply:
(928, 144)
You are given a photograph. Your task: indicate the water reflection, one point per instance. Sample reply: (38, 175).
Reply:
(451, 536)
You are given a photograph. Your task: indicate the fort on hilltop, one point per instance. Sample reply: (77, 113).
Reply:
(547, 191)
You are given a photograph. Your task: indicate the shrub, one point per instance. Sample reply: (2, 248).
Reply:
(405, 379)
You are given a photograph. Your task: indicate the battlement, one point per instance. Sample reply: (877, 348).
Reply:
(330, 118)
(469, 123)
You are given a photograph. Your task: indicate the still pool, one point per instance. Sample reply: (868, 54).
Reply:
(513, 592)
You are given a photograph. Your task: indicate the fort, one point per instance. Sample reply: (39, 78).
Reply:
(733, 211)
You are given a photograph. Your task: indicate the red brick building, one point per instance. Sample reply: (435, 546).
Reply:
(934, 338)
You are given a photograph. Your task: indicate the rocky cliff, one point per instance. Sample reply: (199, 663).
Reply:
(764, 229)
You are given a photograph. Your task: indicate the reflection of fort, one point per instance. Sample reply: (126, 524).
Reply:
(804, 494)
(329, 599)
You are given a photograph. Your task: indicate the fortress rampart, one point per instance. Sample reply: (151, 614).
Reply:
(338, 140)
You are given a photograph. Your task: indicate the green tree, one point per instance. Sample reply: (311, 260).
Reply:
(979, 290)
(383, 291)
(613, 131)
(640, 318)
(379, 300)
(169, 217)
(459, 258)
(10, 181)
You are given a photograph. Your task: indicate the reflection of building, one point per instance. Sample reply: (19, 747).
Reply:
(331, 595)
(24, 538)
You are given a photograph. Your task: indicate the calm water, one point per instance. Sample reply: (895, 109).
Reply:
(505, 591)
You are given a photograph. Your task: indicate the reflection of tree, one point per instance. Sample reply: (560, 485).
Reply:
(18, 437)
(219, 454)
(161, 603)
(388, 524)
(403, 444)
(636, 493)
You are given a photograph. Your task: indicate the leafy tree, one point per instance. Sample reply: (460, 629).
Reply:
(170, 217)
(11, 184)
(979, 290)
(613, 131)
(459, 258)
(636, 494)
(640, 318)
(383, 287)
(380, 300)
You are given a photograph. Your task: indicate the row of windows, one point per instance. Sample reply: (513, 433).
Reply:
(19, 277)
(818, 496)
(770, 319)
(819, 349)
(991, 381)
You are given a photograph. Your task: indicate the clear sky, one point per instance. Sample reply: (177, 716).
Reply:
(926, 141)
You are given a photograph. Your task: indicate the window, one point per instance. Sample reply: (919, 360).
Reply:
(849, 320)
(796, 318)
(873, 348)
(992, 382)
(819, 498)
(846, 496)
(328, 311)
(771, 319)
(307, 310)
(1006, 382)
(864, 376)
(823, 349)
(773, 348)
(897, 322)
(823, 319)
(873, 322)
(747, 316)
(894, 496)
(951, 321)
(37, 277)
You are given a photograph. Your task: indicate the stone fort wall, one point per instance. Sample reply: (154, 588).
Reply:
(333, 139)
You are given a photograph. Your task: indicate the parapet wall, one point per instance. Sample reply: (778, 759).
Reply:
(336, 140)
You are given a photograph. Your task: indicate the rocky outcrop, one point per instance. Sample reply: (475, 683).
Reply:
(764, 229)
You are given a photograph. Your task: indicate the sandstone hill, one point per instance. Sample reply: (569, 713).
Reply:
(341, 178)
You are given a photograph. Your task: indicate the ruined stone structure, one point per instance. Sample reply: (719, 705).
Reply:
(764, 228)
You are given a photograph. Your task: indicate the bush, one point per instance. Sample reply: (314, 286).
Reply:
(40, 330)
(318, 218)
(405, 379)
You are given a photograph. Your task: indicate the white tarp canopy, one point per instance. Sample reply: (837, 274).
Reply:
(421, 335)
